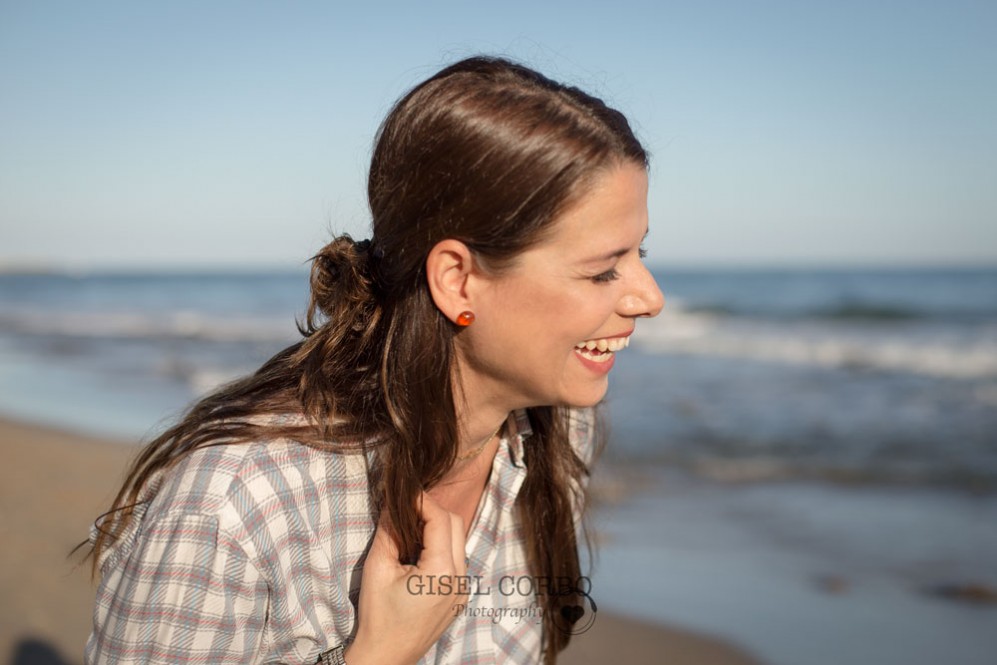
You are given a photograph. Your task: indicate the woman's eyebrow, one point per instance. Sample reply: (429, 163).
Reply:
(613, 254)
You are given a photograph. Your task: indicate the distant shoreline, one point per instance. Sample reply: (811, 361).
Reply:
(885, 266)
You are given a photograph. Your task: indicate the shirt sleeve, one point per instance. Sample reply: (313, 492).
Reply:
(186, 593)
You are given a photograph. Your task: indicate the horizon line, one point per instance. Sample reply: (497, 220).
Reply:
(17, 267)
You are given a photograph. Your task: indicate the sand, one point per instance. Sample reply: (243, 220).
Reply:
(53, 484)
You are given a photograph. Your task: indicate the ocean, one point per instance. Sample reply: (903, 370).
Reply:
(809, 456)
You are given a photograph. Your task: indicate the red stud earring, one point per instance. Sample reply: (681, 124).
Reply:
(465, 318)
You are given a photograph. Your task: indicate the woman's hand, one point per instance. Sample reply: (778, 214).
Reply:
(404, 609)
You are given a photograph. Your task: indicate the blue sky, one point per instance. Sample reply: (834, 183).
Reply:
(216, 134)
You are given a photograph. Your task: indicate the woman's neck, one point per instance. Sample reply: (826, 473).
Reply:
(477, 444)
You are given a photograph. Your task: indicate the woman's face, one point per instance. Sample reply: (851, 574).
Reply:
(583, 286)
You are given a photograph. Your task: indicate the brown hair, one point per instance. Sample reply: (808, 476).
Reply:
(487, 152)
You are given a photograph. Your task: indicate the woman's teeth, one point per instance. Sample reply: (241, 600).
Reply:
(601, 350)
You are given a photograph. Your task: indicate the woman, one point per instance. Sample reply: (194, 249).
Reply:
(405, 483)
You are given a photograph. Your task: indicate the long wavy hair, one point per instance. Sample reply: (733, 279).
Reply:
(487, 152)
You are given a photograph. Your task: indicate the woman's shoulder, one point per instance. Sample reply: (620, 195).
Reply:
(254, 477)
(255, 492)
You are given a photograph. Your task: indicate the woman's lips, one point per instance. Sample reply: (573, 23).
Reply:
(598, 354)
(603, 345)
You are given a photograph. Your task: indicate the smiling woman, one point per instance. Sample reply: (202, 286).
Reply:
(547, 328)
(433, 424)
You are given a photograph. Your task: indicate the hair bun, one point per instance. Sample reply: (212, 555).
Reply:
(340, 279)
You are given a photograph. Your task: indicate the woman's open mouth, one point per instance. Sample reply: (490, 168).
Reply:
(601, 350)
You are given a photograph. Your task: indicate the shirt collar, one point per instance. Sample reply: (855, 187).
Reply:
(518, 428)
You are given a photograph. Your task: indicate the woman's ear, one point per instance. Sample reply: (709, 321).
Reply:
(449, 267)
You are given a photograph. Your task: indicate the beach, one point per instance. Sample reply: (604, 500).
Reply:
(801, 463)
(52, 485)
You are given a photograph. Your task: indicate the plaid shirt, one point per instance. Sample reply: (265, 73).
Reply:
(253, 553)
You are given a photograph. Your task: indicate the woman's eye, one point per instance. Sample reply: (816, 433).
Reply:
(607, 276)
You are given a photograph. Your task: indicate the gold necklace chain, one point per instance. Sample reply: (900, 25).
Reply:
(477, 451)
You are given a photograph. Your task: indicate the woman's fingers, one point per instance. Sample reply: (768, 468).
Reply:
(382, 557)
(459, 544)
(411, 603)
(443, 539)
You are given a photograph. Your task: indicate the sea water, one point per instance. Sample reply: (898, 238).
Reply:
(816, 451)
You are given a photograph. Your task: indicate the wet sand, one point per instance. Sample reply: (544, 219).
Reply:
(54, 483)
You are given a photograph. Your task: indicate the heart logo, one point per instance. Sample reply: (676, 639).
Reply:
(572, 613)
(578, 616)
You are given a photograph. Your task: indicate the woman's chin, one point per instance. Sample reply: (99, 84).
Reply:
(589, 398)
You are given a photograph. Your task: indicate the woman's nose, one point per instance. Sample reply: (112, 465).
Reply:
(644, 298)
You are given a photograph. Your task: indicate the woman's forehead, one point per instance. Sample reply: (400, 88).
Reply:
(610, 217)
